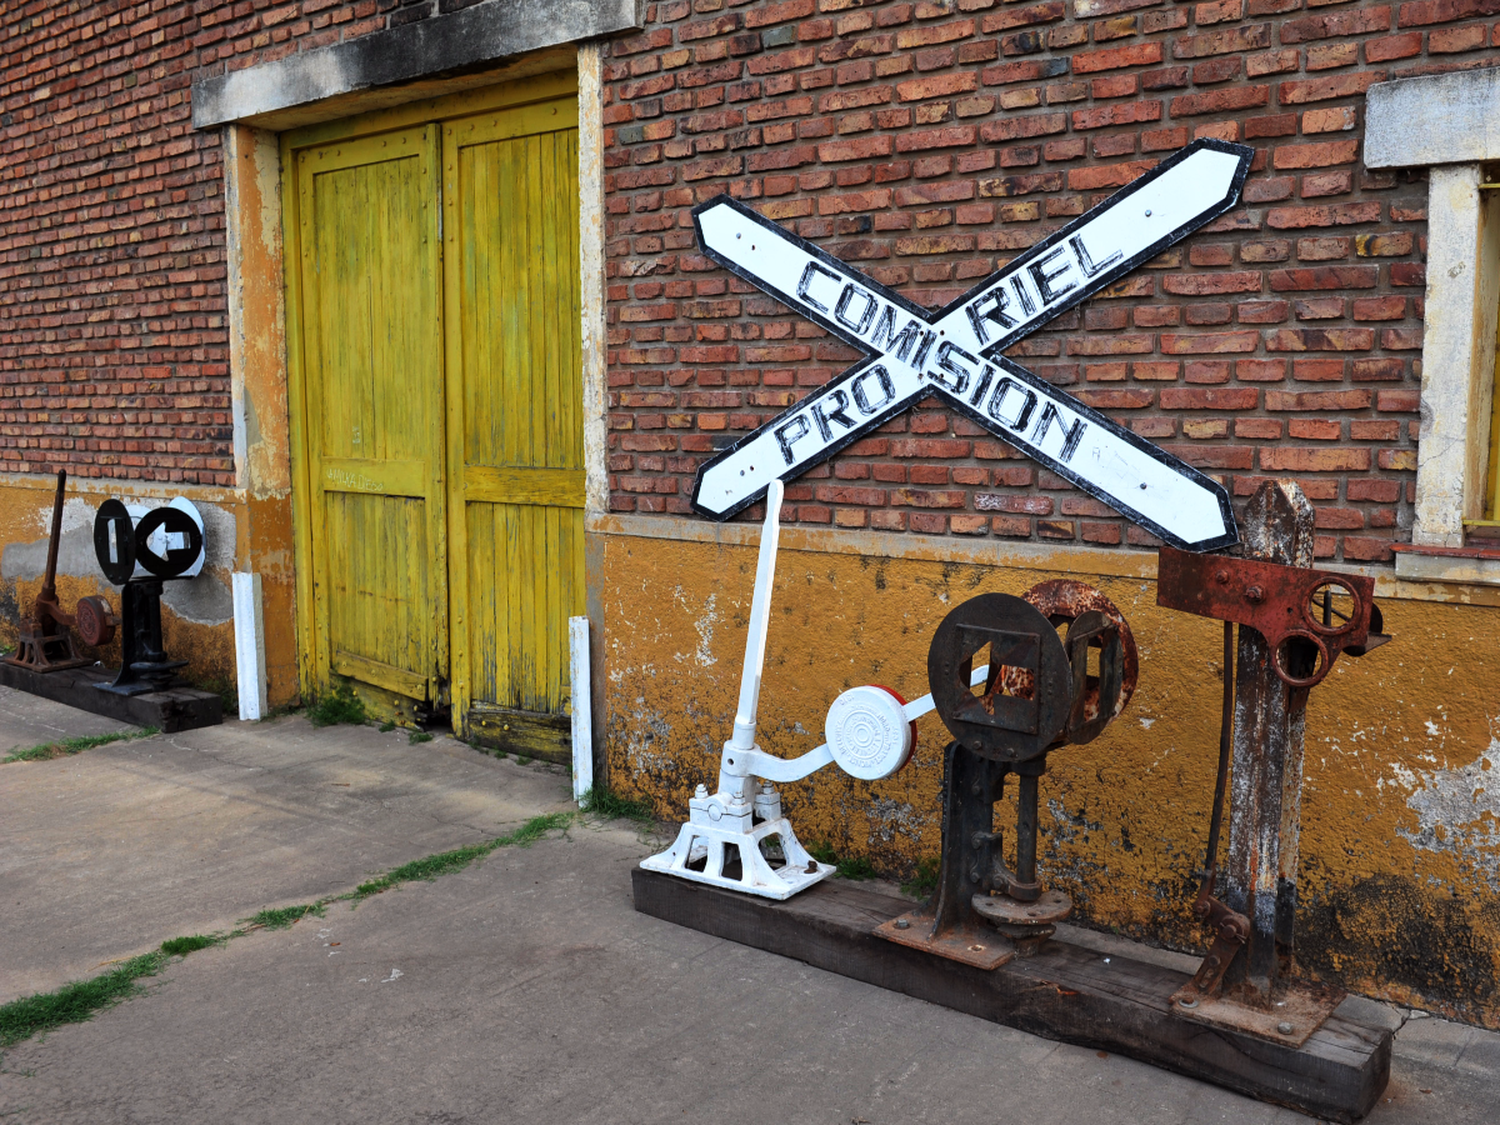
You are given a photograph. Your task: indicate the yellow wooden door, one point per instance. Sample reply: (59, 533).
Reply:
(516, 480)
(368, 303)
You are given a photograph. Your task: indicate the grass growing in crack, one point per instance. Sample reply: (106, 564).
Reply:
(600, 800)
(925, 881)
(856, 868)
(417, 736)
(340, 705)
(282, 917)
(445, 863)
(77, 1001)
(182, 946)
(69, 746)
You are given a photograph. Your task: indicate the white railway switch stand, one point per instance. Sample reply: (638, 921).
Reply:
(870, 734)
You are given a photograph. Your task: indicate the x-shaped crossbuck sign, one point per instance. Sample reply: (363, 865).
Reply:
(954, 353)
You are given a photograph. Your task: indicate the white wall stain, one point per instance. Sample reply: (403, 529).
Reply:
(1458, 811)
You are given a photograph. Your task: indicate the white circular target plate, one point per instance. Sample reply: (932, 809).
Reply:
(868, 733)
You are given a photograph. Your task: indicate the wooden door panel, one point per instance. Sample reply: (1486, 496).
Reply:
(373, 376)
(511, 246)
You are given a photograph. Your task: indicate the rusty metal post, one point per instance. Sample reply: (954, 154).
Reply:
(1266, 791)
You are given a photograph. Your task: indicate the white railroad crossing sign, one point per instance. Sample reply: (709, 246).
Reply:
(955, 352)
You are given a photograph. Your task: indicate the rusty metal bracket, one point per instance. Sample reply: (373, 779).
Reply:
(45, 645)
(1307, 616)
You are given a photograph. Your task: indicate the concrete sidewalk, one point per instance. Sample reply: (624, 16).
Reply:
(524, 988)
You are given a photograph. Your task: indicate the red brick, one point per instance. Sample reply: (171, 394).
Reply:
(1299, 92)
(1220, 101)
(1326, 215)
(1125, 114)
(1112, 58)
(1315, 155)
(1205, 284)
(1023, 17)
(1324, 277)
(1209, 398)
(1294, 459)
(1210, 344)
(1359, 21)
(1016, 127)
(1236, 40)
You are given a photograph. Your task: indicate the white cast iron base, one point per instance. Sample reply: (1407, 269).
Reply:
(716, 825)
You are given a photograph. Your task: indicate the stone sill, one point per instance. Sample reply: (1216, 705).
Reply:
(1469, 565)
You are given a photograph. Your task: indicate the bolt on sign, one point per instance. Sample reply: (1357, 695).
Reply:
(954, 353)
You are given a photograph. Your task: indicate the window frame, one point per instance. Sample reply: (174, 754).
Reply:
(1439, 122)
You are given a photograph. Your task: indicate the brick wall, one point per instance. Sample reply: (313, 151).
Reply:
(929, 142)
(113, 331)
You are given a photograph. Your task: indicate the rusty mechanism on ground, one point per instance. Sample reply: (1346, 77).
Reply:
(46, 645)
(1062, 665)
(1307, 617)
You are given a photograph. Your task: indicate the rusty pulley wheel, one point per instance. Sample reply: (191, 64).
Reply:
(1015, 640)
(95, 621)
(1063, 601)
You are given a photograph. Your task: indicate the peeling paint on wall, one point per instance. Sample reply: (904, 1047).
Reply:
(1458, 811)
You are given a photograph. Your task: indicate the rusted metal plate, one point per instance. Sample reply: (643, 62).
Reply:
(968, 942)
(1049, 909)
(1001, 723)
(1297, 1009)
(1307, 616)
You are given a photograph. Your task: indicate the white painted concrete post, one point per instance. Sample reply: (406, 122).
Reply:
(249, 646)
(583, 725)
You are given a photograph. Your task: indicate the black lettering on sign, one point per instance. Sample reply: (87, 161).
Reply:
(985, 375)
(866, 314)
(896, 343)
(996, 407)
(887, 389)
(921, 357)
(823, 413)
(1086, 263)
(1044, 278)
(809, 275)
(1028, 305)
(1072, 435)
(960, 375)
(785, 438)
(998, 302)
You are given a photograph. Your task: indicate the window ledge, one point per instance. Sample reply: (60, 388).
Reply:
(1473, 565)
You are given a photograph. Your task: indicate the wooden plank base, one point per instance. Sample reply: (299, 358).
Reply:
(1063, 992)
(180, 708)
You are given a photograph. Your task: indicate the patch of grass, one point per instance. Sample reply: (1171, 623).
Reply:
(281, 918)
(603, 801)
(417, 736)
(857, 868)
(70, 746)
(77, 1001)
(388, 726)
(445, 863)
(340, 705)
(925, 881)
(182, 946)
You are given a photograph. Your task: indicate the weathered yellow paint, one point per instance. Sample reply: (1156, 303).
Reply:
(1492, 491)
(436, 373)
(258, 381)
(515, 401)
(1391, 904)
(368, 267)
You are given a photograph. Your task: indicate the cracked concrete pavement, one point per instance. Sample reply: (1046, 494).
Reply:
(523, 988)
